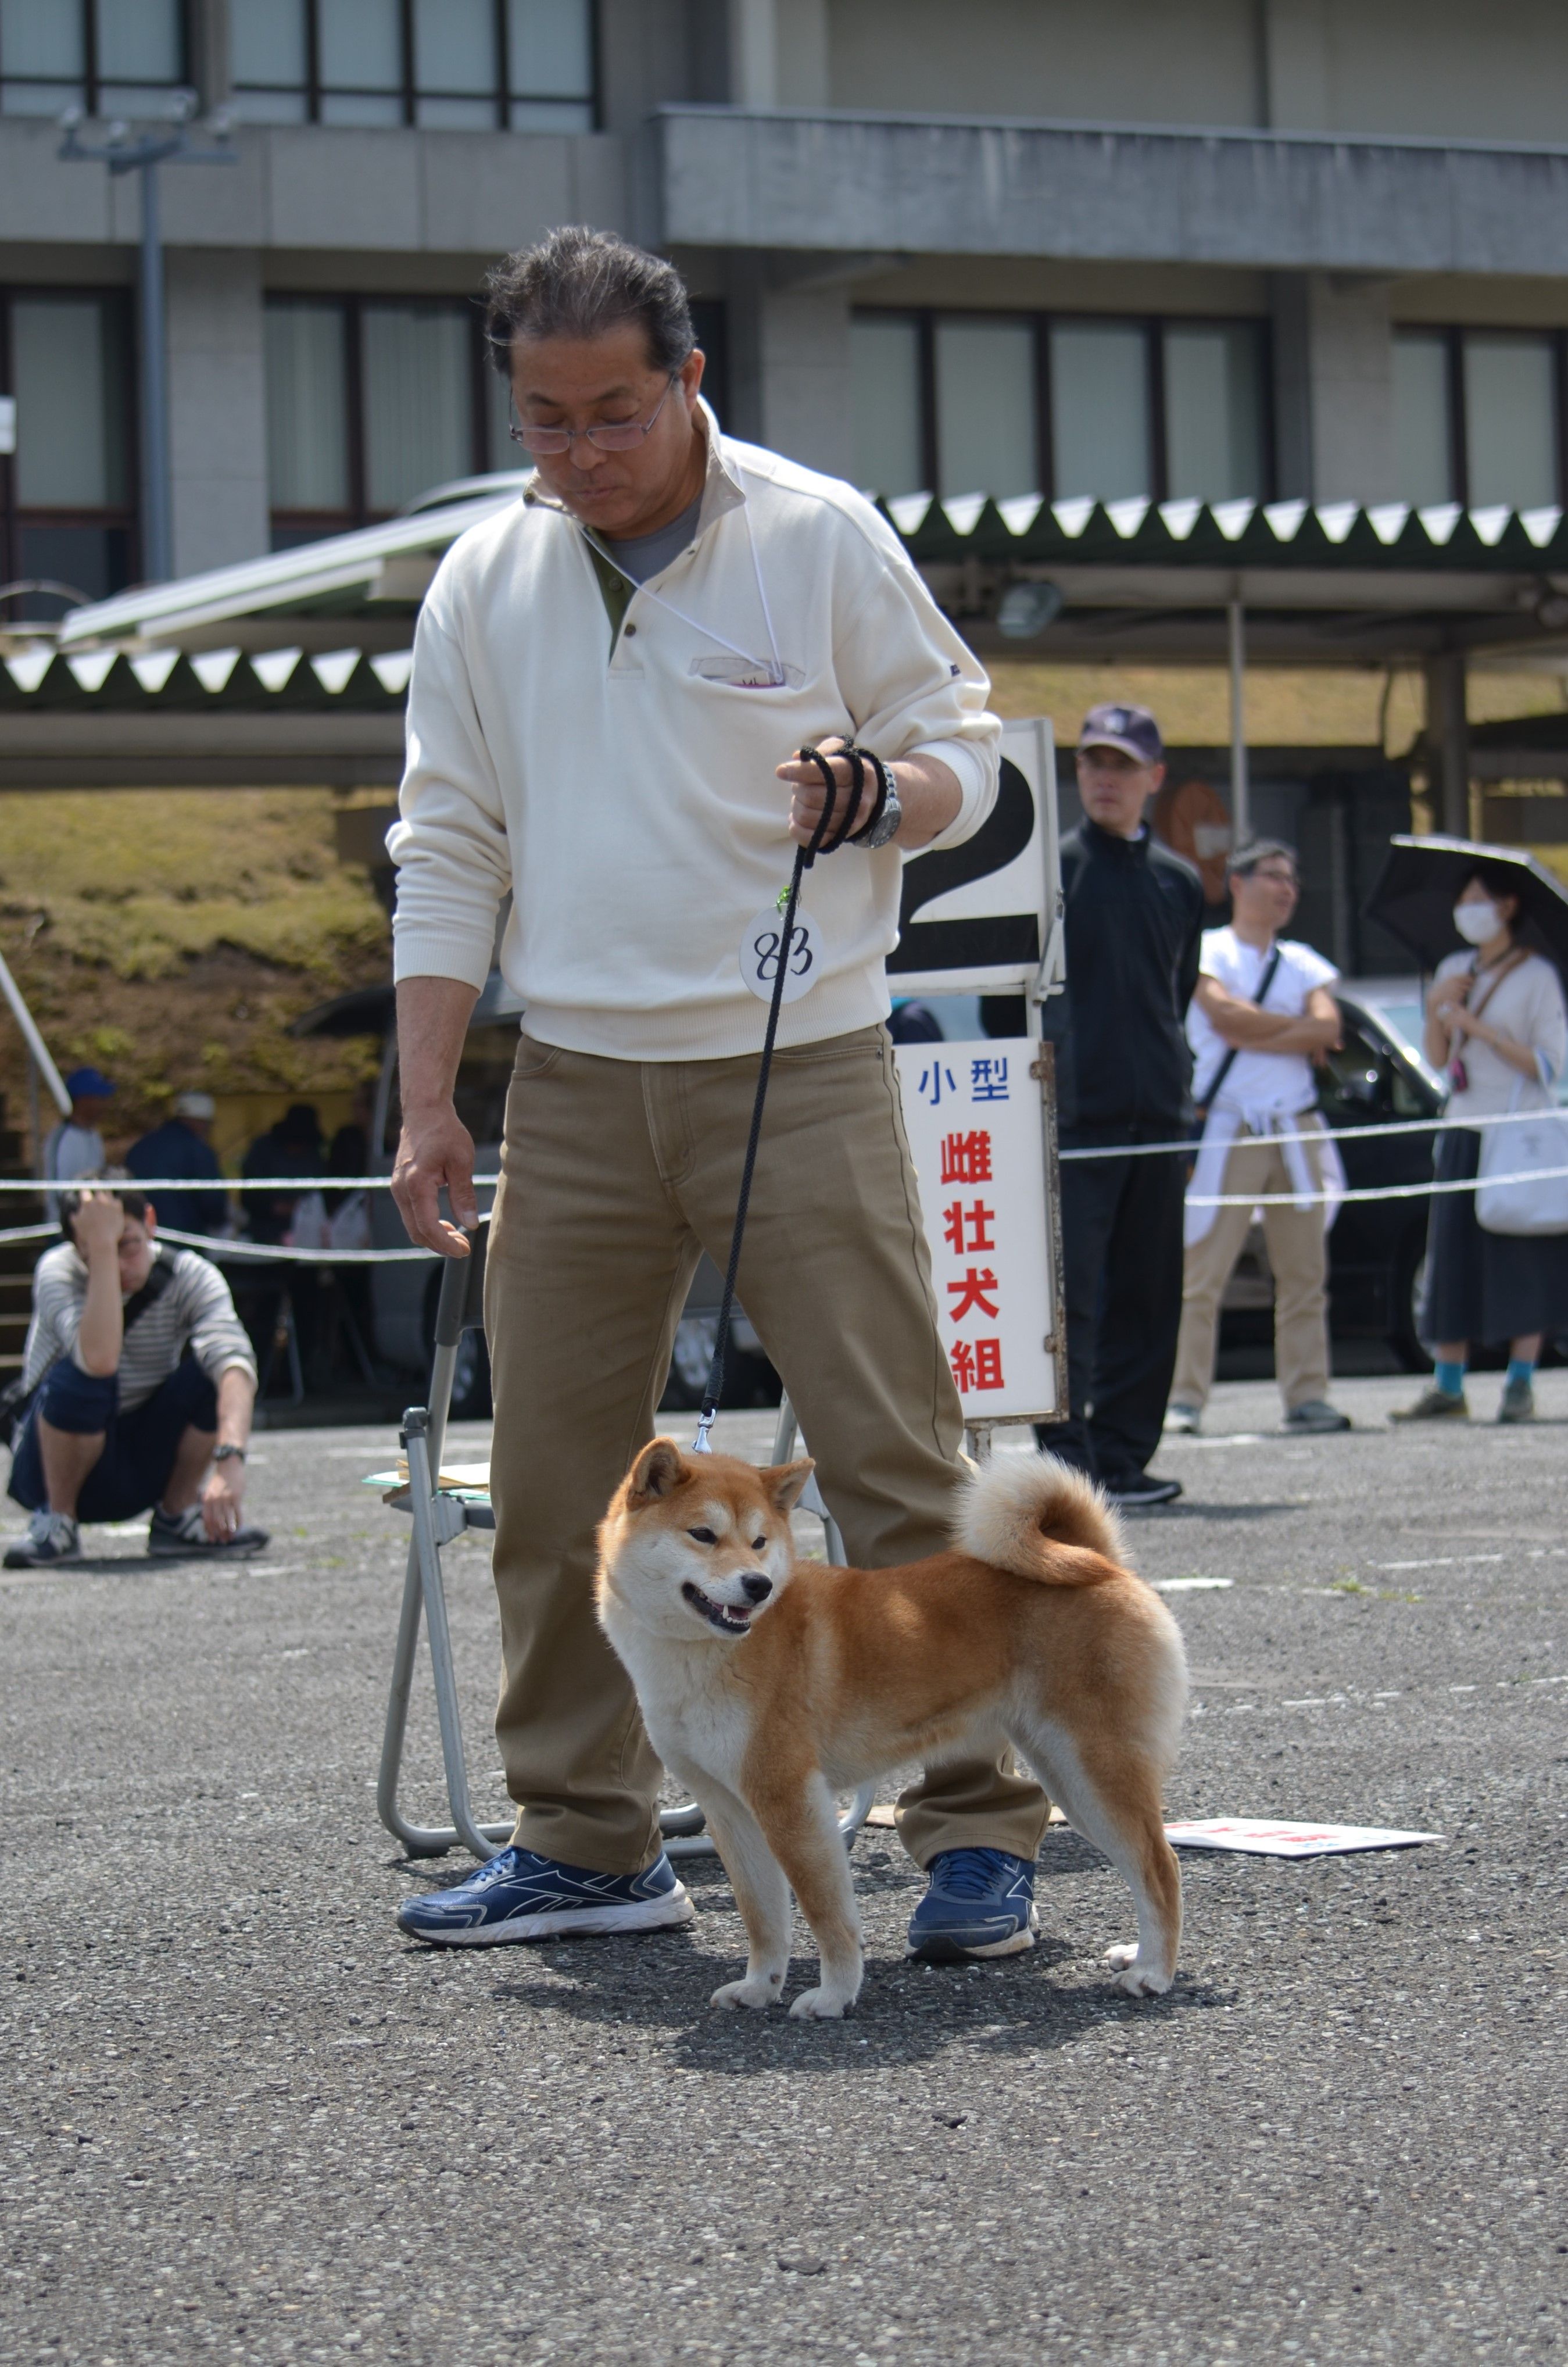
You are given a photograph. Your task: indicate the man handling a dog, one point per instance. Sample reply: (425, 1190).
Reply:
(610, 680)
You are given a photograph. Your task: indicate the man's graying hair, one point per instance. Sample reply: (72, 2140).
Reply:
(1246, 860)
(579, 283)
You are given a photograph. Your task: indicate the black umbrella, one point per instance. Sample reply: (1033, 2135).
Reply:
(1420, 883)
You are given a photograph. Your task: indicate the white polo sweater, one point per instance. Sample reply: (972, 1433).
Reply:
(623, 788)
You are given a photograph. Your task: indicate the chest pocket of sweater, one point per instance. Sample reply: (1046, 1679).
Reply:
(746, 674)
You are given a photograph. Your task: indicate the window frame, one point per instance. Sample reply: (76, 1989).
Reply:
(1453, 335)
(298, 525)
(1151, 326)
(120, 518)
(94, 82)
(408, 93)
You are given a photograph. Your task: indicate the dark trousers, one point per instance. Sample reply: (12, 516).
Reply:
(1121, 1251)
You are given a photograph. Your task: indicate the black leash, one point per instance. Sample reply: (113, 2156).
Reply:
(804, 856)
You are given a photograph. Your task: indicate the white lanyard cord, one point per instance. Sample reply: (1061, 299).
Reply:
(658, 597)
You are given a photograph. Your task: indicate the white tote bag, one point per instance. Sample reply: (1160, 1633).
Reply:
(1532, 1159)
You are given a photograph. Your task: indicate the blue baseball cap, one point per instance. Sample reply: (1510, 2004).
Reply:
(88, 1085)
(1131, 728)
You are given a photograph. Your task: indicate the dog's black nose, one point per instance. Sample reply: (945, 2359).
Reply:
(758, 1588)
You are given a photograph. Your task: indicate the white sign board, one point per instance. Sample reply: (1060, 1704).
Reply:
(1264, 1837)
(974, 1119)
(978, 919)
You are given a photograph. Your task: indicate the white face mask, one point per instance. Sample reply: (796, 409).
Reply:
(1477, 923)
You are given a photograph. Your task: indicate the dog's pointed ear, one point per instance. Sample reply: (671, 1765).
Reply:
(783, 1483)
(657, 1471)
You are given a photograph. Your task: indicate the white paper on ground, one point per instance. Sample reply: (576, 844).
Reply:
(1188, 1585)
(1264, 1837)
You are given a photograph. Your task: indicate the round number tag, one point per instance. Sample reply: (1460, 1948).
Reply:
(760, 950)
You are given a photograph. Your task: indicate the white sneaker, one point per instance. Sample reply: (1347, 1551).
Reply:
(1183, 1421)
(52, 1538)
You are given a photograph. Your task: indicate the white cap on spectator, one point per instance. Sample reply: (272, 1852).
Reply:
(195, 1105)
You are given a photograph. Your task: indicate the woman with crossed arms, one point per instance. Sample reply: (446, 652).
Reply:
(1493, 1018)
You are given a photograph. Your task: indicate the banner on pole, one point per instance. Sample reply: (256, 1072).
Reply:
(976, 1119)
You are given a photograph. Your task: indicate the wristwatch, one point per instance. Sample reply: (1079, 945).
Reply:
(226, 1453)
(886, 826)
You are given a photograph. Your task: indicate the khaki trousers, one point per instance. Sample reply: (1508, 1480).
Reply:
(616, 1175)
(1298, 1253)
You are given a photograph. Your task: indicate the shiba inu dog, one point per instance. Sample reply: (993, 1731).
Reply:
(768, 1685)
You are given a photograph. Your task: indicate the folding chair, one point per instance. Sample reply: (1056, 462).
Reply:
(440, 1514)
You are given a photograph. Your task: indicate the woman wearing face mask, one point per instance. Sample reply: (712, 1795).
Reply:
(1493, 1015)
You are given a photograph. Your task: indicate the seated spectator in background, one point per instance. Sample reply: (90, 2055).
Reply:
(144, 1386)
(75, 1147)
(1261, 1013)
(181, 1147)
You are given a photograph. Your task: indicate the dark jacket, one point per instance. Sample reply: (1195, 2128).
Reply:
(1133, 918)
(172, 1150)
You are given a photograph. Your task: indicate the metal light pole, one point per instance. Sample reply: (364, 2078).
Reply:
(124, 154)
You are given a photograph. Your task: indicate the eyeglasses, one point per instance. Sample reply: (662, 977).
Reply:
(615, 436)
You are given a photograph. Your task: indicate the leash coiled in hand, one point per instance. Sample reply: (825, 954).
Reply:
(821, 842)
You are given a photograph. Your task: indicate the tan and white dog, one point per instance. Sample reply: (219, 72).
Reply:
(768, 1685)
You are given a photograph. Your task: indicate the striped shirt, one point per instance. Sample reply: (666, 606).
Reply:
(197, 1311)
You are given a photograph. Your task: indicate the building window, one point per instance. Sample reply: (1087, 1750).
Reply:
(66, 513)
(370, 403)
(1099, 410)
(1478, 418)
(453, 65)
(1116, 410)
(109, 57)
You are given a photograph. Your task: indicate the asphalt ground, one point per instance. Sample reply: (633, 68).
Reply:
(246, 2120)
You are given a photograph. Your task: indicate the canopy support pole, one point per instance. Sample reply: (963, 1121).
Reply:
(1448, 740)
(1241, 799)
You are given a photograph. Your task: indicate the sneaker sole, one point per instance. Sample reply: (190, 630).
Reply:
(940, 1949)
(645, 1914)
(14, 1560)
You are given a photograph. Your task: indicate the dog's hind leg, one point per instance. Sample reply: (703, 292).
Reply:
(1112, 1799)
(761, 1894)
(802, 1828)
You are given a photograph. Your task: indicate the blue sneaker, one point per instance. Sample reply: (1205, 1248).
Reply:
(522, 1895)
(980, 1903)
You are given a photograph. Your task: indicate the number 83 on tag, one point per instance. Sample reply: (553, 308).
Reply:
(763, 946)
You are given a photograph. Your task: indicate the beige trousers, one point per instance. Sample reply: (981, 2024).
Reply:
(1298, 1253)
(616, 1175)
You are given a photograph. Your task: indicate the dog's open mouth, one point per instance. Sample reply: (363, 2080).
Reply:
(718, 1615)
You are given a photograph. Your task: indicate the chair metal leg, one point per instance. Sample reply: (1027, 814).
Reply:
(424, 1591)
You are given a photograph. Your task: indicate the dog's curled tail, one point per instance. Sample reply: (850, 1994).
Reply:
(1041, 1519)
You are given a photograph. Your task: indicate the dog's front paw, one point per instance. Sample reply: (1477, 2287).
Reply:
(757, 1993)
(1133, 1978)
(822, 2004)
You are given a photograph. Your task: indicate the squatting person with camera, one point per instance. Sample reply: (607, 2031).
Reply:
(612, 677)
(137, 1390)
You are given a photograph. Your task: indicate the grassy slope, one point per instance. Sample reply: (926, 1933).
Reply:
(169, 936)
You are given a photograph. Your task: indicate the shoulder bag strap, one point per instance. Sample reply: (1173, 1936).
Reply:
(1260, 999)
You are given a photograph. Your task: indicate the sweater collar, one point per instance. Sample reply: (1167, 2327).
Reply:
(722, 487)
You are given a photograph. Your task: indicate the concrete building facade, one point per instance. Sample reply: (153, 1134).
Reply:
(1161, 248)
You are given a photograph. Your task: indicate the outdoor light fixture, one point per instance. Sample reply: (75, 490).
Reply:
(1027, 608)
(122, 153)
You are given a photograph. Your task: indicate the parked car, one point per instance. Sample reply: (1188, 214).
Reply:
(403, 1296)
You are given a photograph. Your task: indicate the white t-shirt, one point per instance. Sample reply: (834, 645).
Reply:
(1526, 1005)
(1279, 1082)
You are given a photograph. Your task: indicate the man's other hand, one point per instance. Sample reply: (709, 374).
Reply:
(434, 1150)
(811, 794)
(97, 1224)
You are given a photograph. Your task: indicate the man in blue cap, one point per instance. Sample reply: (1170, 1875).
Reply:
(1133, 918)
(75, 1147)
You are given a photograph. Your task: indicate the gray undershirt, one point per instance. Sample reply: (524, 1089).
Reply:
(642, 555)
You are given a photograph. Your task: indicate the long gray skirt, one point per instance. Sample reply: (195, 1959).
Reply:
(1481, 1286)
